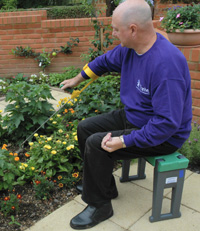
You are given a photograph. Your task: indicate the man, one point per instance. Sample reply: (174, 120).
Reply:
(156, 119)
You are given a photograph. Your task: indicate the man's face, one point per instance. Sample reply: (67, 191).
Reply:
(123, 33)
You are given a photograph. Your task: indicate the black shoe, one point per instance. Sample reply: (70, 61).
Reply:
(79, 188)
(92, 216)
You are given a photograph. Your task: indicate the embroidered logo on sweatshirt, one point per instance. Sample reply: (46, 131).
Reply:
(141, 88)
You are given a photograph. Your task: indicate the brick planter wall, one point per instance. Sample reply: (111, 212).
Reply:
(31, 28)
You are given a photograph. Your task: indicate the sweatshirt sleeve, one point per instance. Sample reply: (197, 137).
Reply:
(168, 103)
(110, 61)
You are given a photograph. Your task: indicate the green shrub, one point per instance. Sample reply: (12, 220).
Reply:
(67, 12)
(9, 169)
(10, 205)
(191, 148)
(56, 78)
(3, 86)
(57, 152)
(101, 96)
(42, 187)
(9, 4)
(38, 79)
(27, 109)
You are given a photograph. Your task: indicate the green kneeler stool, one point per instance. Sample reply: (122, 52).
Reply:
(169, 172)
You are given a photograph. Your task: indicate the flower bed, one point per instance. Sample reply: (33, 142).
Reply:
(42, 175)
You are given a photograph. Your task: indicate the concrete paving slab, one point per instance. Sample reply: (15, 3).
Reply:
(188, 221)
(59, 220)
(132, 203)
(191, 193)
(145, 183)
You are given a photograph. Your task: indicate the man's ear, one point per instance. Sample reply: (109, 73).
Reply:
(133, 28)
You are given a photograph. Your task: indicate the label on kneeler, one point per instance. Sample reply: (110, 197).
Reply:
(171, 180)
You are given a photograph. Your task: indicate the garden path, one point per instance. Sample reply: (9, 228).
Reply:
(133, 207)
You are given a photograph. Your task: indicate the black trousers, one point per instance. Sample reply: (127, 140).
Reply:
(98, 182)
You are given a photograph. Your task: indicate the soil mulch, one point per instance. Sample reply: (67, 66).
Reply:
(32, 210)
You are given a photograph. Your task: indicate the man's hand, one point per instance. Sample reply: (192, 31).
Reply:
(70, 83)
(111, 144)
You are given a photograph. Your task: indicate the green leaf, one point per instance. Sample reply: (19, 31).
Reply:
(40, 160)
(49, 172)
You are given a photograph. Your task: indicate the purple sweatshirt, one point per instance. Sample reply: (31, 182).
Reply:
(155, 89)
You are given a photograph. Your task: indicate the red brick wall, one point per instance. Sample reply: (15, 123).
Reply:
(193, 57)
(31, 28)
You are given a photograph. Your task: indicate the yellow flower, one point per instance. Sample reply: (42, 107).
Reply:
(60, 131)
(1, 111)
(30, 143)
(64, 142)
(36, 135)
(70, 103)
(49, 139)
(67, 136)
(53, 152)
(17, 106)
(32, 168)
(59, 177)
(51, 119)
(54, 122)
(75, 175)
(58, 115)
(47, 147)
(60, 185)
(25, 165)
(58, 141)
(70, 147)
(74, 133)
(76, 138)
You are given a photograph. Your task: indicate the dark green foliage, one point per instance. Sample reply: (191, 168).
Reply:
(56, 78)
(27, 109)
(191, 148)
(100, 97)
(67, 12)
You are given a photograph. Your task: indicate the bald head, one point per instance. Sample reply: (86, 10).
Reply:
(133, 11)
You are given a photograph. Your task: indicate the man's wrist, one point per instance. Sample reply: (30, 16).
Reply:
(122, 140)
